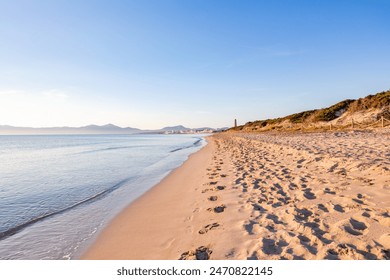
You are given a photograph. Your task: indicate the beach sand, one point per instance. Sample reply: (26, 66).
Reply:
(264, 196)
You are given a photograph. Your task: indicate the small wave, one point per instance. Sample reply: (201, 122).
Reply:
(108, 149)
(97, 196)
(195, 144)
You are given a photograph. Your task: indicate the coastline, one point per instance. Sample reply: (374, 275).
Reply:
(148, 227)
(263, 196)
(78, 184)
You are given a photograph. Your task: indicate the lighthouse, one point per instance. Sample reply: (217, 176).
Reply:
(235, 122)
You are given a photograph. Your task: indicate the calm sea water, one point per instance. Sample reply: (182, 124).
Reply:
(57, 192)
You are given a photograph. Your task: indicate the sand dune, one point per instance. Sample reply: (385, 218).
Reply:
(266, 196)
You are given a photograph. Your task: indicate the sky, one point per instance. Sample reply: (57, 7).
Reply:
(155, 63)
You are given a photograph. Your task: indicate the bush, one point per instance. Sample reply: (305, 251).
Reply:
(300, 117)
(331, 113)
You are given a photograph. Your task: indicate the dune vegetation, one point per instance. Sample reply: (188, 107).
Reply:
(366, 110)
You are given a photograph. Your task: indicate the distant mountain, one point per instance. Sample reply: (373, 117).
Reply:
(90, 129)
(109, 129)
(96, 129)
(175, 128)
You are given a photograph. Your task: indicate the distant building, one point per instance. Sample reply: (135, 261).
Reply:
(235, 122)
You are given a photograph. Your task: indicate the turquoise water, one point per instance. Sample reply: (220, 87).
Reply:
(58, 192)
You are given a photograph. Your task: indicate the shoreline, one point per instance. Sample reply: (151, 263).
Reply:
(151, 211)
(79, 200)
(263, 196)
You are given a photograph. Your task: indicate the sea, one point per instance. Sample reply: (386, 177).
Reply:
(57, 192)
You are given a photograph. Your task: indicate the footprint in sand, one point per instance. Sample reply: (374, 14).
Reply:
(339, 208)
(217, 209)
(292, 186)
(201, 253)
(205, 229)
(356, 227)
(274, 218)
(207, 190)
(366, 214)
(309, 194)
(258, 207)
(329, 191)
(303, 238)
(332, 255)
(273, 247)
(220, 188)
(213, 198)
(322, 207)
(347, 251)
(359, 201)
(302, 214)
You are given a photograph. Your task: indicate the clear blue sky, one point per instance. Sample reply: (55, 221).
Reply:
(153, 63)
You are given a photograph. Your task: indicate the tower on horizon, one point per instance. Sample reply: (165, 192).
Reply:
(235, 122)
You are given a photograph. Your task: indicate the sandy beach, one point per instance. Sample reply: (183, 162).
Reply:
(264, 196)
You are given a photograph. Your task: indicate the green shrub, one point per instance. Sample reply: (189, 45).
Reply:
(330, 113)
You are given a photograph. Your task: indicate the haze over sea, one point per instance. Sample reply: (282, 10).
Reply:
(58, 191)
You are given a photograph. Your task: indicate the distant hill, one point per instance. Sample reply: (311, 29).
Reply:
(96, 129)
(363, 110)
(175, 128)
(90, 129)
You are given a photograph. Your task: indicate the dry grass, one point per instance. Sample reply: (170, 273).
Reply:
(379, 101)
